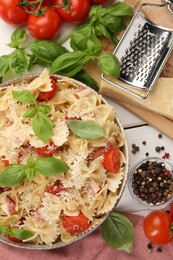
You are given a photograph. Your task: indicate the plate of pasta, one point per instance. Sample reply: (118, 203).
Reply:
(63, 161)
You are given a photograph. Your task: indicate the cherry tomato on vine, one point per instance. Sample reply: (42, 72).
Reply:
(11, 13)
(111, 160)
(43, 96)
(47, 150)
(74, 11)
(45, 26)
(96, 2)
(76, 224)
(157, 227)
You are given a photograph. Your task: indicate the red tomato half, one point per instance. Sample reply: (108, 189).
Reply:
(96, 2)
(43, 96)
(111, 160)
(46, 26)
(157, 227)
(76, 224)
(11, 13)
(74, 12)
(56, 188)
(47, 150)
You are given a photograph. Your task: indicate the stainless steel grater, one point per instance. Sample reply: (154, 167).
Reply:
(143, 51)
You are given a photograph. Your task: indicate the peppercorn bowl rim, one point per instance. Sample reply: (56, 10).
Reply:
(139, 200)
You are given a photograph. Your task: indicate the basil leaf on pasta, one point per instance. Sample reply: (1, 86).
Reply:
(24, 96)
(49, 166)
(86, 129)
(22, 234)
(13, 175)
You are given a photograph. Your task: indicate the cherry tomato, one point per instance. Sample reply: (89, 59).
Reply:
(47, 150)
(96, 2)
(46, 26)
(43, 96)
(157, 227)
(111, 160)
(76, 224)
(11, 13)
(14, 239)
(56, 188)
(74, 11)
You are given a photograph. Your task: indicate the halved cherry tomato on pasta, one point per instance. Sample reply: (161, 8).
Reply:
(11, 13)
(158, 227)
(14, 239)
(56, 188)
(47, 150)
(43, 96)
(111, 160)
(73, 11)
(76, 224)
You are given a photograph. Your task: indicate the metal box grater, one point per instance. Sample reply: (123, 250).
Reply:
(142, 51)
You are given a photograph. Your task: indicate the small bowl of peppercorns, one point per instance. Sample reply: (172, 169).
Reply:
(150, 182)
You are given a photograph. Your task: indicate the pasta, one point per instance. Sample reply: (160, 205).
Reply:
(87, 186)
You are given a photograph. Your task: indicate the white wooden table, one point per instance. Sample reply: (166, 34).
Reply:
(136, 130)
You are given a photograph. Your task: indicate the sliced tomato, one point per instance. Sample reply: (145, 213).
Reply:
(47, 150)
(111, 160)
(76, 224)
(43, 96)
(11, 204)
(56, 188)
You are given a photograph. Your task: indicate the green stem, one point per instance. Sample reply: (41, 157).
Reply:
(67, 37)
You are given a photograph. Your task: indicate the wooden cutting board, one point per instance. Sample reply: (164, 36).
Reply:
(161, 123)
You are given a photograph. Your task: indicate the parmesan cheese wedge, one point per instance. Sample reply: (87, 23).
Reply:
(160, 99)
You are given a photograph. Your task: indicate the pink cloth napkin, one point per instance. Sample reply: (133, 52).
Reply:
(93, 247)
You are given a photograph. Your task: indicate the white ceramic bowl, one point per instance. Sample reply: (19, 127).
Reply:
(124, 149)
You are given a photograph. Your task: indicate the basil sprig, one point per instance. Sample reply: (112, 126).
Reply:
(86, 129)
(21, 234)
(15, 174)
(118, 232)
(41, 123)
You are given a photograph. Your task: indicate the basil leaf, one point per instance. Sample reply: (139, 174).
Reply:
(113, 23)
(101, 30)
(118, 232)
(109, 64)
(30, 113)
(19, 62)
(85, 40)
(17, 38)
(49, 166)
(94, 10)
(86, 129)
(22, 234)
(46, 51)
(24, 96)
(84, 77)
(12, 175)
(30, 173)
(4, 64)
(120, 9)
(69, 63)
(4, 230)
(45, 109)
(42, 126)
